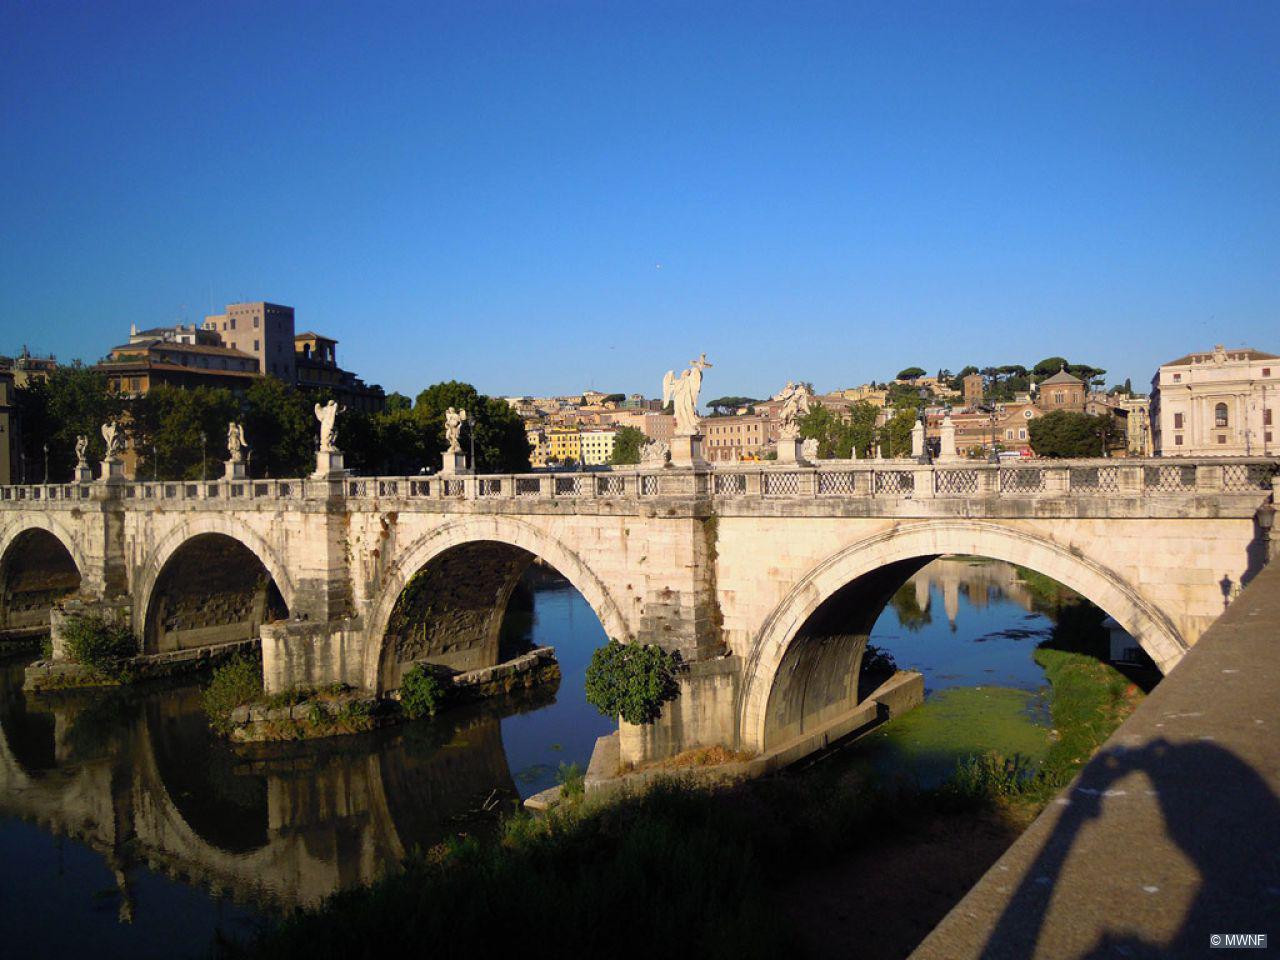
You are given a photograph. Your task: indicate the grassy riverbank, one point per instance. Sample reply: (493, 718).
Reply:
(731, 872)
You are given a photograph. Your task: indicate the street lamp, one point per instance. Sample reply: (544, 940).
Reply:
(155, 464)
(46, 463)
(204, 443)
(924, 427)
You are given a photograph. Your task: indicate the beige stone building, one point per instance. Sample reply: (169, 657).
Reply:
(1062, 391)
(539, 447)
(1219, 403)
(729, 439)
(262, 330)
(597, 446)
(316, 368)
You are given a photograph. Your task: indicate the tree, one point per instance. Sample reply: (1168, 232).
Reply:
(910, 373)
(1066, 434)
(1048, 367)
(895, 436)
(397, 402)
(280, 428)
(725, 406)
(74, 402)
(627, 443)
(167, 426)
(501, 444)
(838, 435)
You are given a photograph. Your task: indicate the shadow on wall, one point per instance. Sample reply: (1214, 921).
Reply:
(1239, 889)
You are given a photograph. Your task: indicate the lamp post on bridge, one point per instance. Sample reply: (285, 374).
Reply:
(46, 463)
(204, 444)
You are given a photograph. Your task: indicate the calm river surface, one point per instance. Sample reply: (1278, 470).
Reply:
(127, 830)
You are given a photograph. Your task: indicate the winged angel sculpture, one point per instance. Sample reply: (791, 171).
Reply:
(682, 392)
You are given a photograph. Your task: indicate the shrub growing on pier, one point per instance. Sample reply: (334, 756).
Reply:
(102, 645)
(236, 683)
(632, 680)
(421, 693)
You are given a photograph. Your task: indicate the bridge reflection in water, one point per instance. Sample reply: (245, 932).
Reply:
(139, 780)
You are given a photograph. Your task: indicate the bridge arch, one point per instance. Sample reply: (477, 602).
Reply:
(209, 528)
(52, 567)
(903, 549)
(477, 530)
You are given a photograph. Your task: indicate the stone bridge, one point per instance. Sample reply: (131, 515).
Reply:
(766, 579)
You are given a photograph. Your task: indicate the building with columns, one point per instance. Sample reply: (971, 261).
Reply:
(1219, 403)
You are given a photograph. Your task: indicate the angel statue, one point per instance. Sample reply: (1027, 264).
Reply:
(683, 392)
(795, 404)
(327, 415)
(655, 452)
(453, 421)
(111, 435)
(235, 441)
(82, 451)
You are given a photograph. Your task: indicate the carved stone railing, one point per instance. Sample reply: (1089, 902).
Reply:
(887, 479)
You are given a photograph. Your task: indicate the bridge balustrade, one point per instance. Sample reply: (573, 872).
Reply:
(830, 479)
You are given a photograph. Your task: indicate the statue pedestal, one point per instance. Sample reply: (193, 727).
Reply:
(454, 464)
(328, 464)
(236, 470)
(687, 452)
(791, 450)
(84, 473)
(112, 471)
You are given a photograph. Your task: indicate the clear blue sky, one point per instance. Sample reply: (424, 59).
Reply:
(544, 196)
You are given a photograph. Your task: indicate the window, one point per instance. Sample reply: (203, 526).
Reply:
(1177, 441)
(1266, 371)
(1177, 378)
(255, 323)
(1022, 434)
(1177, 421)
(233, 323)
(1220, 415)
(1222, 438)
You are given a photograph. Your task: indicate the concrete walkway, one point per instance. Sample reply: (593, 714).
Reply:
(1170, 835)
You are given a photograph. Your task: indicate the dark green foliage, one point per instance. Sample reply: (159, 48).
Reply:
(234, 684)
(501, 444)
(627, 443)
(895, 436)
(166, 427)
(631, 680)
(280, 427)
(726, 406)
(837, 435)
(391, 443)
(910, 373)
(1067, 434)
(910, 614)
(421, 693)
(878, 661)
(74, 402)
(572, 781)
(1048, 367)
(104, 645)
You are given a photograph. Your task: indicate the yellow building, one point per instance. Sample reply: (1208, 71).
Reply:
(564, 443)
(597, 446)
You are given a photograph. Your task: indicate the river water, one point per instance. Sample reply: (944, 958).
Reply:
(127, 829)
